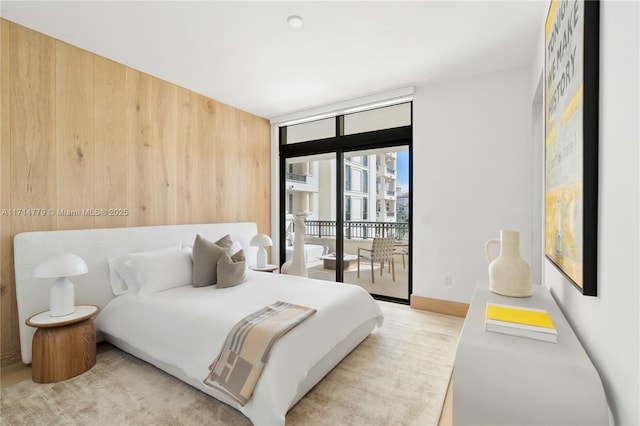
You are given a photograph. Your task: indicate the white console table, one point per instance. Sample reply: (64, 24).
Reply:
(500, 379)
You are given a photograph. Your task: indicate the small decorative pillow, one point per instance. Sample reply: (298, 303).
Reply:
(205, 256)
(231, 269)
(225, 242)
(161, 270)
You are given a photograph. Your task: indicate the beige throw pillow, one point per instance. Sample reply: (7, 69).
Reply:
(231, 269)
(225, 242)
(205, 259)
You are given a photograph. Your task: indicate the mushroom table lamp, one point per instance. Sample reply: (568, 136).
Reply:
(61, 266)
(261, 241)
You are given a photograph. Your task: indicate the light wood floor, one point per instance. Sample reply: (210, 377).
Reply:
(446, 417)
(14, 373)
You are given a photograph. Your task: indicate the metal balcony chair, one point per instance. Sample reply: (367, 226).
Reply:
(381, 252)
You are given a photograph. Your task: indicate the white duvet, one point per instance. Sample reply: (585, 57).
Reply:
(181, 330)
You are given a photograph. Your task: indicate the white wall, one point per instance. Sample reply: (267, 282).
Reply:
(472, 177)
(608, 325)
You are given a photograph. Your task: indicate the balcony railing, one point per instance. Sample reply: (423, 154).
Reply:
(357, 229)
(296, 177)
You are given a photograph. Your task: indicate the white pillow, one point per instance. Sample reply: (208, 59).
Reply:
(161, 270)
(235, 247)
(122, 276)
(188, 248)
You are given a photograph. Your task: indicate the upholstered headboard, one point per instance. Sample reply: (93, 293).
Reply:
(96, 247)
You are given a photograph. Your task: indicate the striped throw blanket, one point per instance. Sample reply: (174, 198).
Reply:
(246, 349)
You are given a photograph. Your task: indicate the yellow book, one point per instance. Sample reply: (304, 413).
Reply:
(514, 314)
(523, 322)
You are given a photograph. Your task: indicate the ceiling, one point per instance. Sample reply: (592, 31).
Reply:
(245, 54)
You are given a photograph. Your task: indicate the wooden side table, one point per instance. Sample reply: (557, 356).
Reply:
(63, 347)
(267, 268)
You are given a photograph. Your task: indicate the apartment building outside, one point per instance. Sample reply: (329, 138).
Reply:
(370, 189)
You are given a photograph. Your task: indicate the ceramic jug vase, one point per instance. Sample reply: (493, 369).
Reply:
(509, 274)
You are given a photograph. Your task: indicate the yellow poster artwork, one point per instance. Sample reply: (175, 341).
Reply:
(564, 135)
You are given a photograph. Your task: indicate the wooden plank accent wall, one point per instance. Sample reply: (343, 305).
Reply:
(82, 132)
(75, 142)
(8, 318)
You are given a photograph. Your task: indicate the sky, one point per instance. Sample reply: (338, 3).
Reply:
(402, 169)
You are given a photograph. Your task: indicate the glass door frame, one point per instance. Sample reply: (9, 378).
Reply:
(339, 145)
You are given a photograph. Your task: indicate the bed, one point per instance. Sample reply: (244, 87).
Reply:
(181, 329)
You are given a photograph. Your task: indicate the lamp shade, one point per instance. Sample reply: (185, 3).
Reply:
(261, 240)
(60, 265)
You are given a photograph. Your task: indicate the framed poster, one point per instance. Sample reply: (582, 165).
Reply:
(571, 140)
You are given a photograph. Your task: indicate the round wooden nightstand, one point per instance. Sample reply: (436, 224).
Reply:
(266, 268)
(63, 347)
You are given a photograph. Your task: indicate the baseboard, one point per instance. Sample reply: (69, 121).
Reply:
(446, 307)
(10, 357)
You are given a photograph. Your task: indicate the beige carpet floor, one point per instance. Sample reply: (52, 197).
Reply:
(397, 376)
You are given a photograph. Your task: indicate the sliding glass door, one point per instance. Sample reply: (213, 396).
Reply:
(310, 183)
(349, 178)
(376, 221)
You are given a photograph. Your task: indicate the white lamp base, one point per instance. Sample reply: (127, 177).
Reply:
(61, 301)
(261, 257)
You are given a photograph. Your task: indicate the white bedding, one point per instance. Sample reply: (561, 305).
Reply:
(181, 330)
